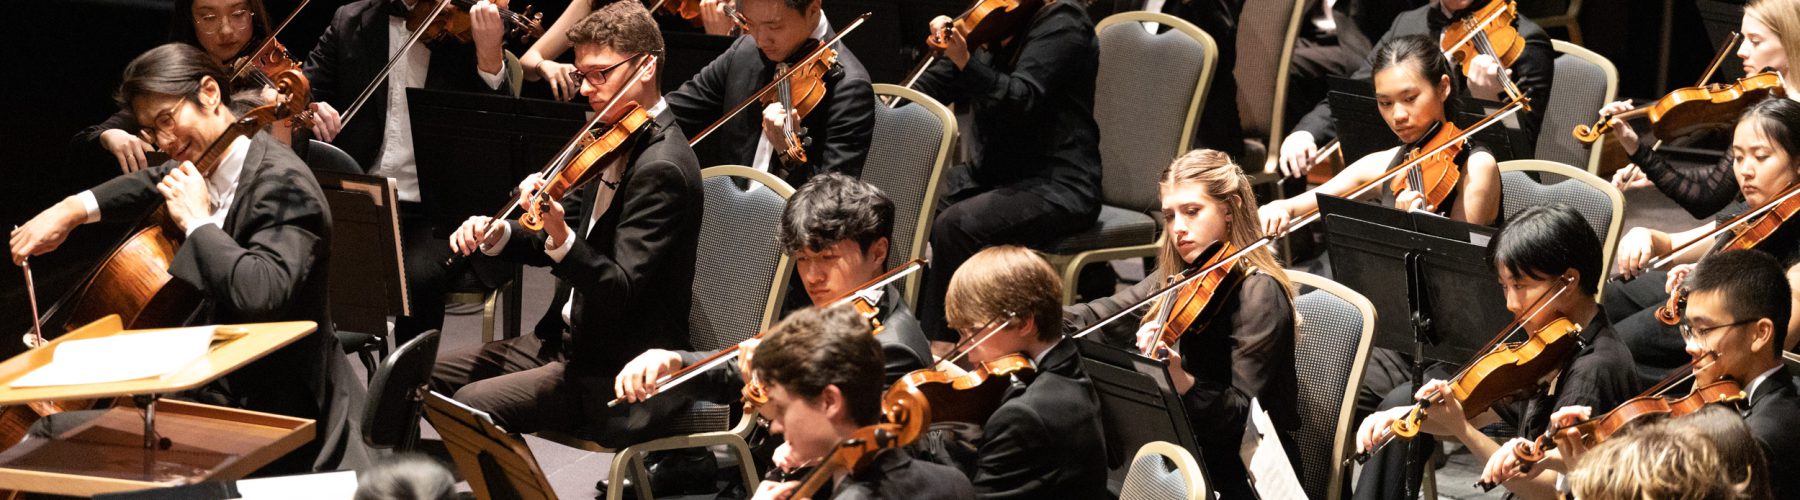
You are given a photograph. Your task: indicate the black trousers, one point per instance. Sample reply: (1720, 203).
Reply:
(527, 384)
(971, 217)
(1313, 64)
(1384, 475)
(426, 278)
(1656, 347)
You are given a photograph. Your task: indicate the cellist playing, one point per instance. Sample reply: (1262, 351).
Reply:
(1531, 254)
(257, 242)
(1733, 329)
(1246, 349)
(626, 266)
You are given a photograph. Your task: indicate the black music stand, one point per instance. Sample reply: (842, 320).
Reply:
(1361, 129)
(686, 53)
(1138, 403)
(473, 149)
(1417, 268)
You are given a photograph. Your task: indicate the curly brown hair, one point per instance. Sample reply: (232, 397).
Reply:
(625, 27)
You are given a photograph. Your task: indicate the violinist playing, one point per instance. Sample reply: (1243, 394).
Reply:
(780, 33)
(257, 240)
(540, 61)
(1413, 90)
(361, 38)
(1246, 349)
(1696, 171)
(1034, 170)
(1532, 253)
(822, 371)
(1485, 77)
(625, 268)
(1733, 330)
(1764, 163)
(1046, 418)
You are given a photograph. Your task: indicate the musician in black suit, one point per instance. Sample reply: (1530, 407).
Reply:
(836, 229)
(1738, 310)
(821, 370)
(1035, 172)
(1051, 414)
(1335, 37)
(779, 32)
(629, 263)
(257, 243)
(361, 38)
(1532, 73)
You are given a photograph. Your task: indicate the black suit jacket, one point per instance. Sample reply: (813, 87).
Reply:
(269, 262)
(1045, 440)
(1532, 72)
(631, 275)
(351, 53)
(892, 474)
(1773, 412)
(903, 349)
(839, 126)
(1033, 108)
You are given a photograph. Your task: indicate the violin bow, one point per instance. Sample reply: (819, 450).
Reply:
(958, 351)
(727, 354)
(36, 337)
(782, 77)
(1186, 277)
(381, 76)
(1659, 262)
(1719, 59)
(268, 40)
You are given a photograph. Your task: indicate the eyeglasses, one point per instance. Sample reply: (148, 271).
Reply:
(598, 77)
(1691, 334)
(161, 121)
(212, 23)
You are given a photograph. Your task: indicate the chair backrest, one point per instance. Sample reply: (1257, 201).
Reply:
(1584, 82)
(1265, 46)
(740, 273)
(1148, 95)
(1163, 471)
(324, 157)
(1598, 201)
(396, 393)
(908, 153)
(496, 463)
(368, 275)
(1336, 325)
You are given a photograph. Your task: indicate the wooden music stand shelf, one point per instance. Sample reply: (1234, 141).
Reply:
(116, 451)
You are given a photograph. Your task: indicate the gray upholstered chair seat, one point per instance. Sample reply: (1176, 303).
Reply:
(1115, 227)
(1163, 471)
(1334, 334)
(1584, 82)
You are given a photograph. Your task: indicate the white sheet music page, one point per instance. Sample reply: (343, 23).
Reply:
(121, 357)
(1270, 471)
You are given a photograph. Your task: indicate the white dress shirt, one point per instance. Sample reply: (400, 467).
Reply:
(221, 188)
(396, 159)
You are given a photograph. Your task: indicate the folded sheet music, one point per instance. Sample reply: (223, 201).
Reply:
(120, 358)
(1270, 471)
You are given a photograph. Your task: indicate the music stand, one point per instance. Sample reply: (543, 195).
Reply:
(687, 53)
(1138, 403)
(365, 217)
(1362, 130)
(1416, 269)
(472, 149)
(496, 463)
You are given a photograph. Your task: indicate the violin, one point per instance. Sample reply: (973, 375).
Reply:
(598, 150)
(984, 23)
(270, 58)
(1592, 432)
(1192, 306)
(858, 294)
(454, 23)
(1488, 31)
(908, 414)
(1434, 173)
(971, 397)
(1670, 312)
(799, 87)
(799, 93)
(1504, 369)
(1691, 109)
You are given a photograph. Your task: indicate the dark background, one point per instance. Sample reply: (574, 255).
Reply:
(62, 59)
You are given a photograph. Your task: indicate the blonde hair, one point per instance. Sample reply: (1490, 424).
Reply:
(1656, 461)
(1224, 181)
(1003, 281)
(1783, 18)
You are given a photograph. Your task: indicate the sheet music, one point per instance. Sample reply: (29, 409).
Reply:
(326, 485)
(1270, 471)
(121, 357)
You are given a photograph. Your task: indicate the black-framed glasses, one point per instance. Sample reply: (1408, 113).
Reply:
(1691, 334)
(212, 23)
(598, 77)
(160, 121)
